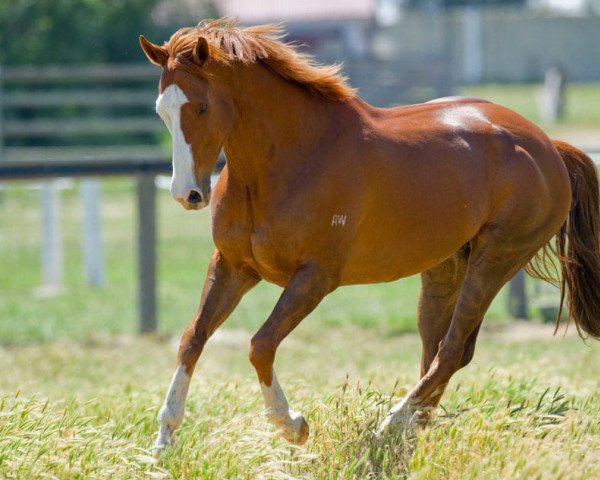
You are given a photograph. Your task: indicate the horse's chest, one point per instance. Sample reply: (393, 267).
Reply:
(273, 254)
(259, 247)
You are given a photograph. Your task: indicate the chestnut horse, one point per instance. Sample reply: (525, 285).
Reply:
(322, 190)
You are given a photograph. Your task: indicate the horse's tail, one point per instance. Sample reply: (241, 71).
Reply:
(577, 245)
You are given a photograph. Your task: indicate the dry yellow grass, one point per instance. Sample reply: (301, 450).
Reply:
(528, 407)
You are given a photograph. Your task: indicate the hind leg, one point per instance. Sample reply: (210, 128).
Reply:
(493, 260)
(439, 292)
(432, 402)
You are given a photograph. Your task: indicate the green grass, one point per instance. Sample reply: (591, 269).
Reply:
(523, 409)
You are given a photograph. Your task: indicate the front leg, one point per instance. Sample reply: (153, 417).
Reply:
(304, 292)
(224, 287)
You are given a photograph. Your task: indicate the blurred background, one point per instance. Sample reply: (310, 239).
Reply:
(98, 247)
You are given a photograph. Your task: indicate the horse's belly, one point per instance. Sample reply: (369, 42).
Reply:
(385, 251)
(391, 263)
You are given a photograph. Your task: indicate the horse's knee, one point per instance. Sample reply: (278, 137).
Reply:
(191, 346)
(262, 356)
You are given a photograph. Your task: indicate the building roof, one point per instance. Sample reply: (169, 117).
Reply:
(260, 11)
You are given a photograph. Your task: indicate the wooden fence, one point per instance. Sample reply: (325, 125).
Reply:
(145, 171)
(76, 113)
(85, 121)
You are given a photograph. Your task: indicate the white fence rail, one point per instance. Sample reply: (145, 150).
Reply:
(52, 251)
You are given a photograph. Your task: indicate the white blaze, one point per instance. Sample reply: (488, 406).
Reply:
(168, 106)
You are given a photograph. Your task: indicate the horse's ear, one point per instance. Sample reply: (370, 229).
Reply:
(201, 52)
(157, 55)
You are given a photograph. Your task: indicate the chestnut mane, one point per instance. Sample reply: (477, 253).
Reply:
(229, 43)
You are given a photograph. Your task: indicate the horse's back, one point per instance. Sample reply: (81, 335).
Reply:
(475, 135)
(458, 99)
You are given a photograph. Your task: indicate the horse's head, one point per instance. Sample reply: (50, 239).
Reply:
(197, 115)
(204, 70)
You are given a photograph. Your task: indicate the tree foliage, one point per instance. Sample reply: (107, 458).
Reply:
(81, 31)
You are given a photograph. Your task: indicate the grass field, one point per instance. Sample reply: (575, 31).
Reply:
(581, 102)
(79, 392)
(527, 407)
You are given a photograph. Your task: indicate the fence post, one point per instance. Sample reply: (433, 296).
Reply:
(146, 205)
(517, 296)
(93, 248)
(551, 97)
(51, 241)
(472, 45)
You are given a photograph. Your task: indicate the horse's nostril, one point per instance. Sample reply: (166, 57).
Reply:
(194, 197)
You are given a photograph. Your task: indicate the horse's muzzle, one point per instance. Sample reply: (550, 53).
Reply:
(194, 200)
(194, 197)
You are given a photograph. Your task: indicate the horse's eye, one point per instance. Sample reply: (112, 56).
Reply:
(203, 107)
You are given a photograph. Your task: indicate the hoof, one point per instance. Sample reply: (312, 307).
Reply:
(294, 428)
(393, 424)
(301, 430)
(400, 418)
(165, 440)
(157, 450)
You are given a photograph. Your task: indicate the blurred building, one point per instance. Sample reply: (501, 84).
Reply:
(342, 31)
(500, 45)
(567, 7)
(292, 11)
(401, 51)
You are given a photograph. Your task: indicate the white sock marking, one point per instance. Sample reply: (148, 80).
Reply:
(401, 414)
(291, 424)
(172, 411)
(276, 403)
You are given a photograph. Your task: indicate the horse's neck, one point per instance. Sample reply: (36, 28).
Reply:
(274, 120)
